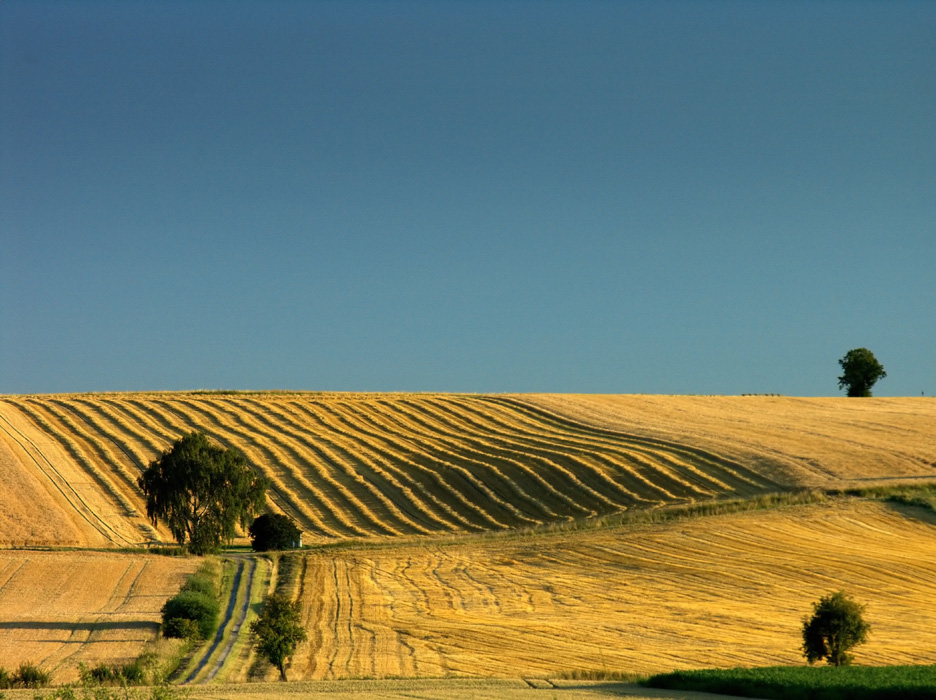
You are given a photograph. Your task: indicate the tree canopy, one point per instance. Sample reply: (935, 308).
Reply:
(274, 531)
(202, 491)
(278, 631)
(835, 627)
(860, 371)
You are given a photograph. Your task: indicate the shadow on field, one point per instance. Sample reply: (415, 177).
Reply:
(81, 626)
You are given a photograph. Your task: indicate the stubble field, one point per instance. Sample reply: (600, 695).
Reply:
(455, 529)
(59, 609)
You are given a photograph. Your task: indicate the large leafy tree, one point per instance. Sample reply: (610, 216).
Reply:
(860, 371)
(202, 491)
(278, 631)
(835, 627)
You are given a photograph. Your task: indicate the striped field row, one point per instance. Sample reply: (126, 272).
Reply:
(366, 466)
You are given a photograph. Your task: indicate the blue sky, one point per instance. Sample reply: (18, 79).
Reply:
(615, 197)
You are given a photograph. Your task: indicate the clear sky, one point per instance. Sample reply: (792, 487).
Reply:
(668, 197)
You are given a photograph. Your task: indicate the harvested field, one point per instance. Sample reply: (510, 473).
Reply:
(62, 608)
(383, 466)
(813, 442)
(718, 591)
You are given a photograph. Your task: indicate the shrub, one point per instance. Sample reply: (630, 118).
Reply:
(200, 583)
(132, 673)
(181, 628)
(28, 675)
(200, 609)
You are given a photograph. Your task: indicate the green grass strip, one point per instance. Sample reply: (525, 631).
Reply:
(808, 683)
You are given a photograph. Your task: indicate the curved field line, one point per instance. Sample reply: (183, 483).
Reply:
(330, 496)
(451, 503)
(179, 423)
(318, 514)
(353, 491)
(733, 467)
(85, 449)
(332, 445)
(139, 447)
(97, 523)
(262, 453)
(365, 477)
(378, 426)
(76, 444)
(558, 464)
(407, 454)
(450, 469)
(662, 469)
(586, 500)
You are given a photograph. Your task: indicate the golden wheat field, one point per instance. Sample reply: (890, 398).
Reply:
(58, 609)
(718, 591)
(379, 466)
(435, 502)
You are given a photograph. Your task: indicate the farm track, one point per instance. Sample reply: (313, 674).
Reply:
(389, 466)
(209, 661)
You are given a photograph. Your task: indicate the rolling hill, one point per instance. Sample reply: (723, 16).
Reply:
(389, 465)
(455, 527)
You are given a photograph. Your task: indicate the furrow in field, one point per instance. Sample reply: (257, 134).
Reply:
(382, 514)
(309, 517)
(711, 592)
(154, 434)
(474, 470)
(85, 448)
(126, 430)
(344, 639)
(452, 503)
(319, 597)
(434, 462)
(287, 455)
(382, 484)
(677, 477)
(72, 498)
(135, 448)
(739, 477)
(701, 474)
(94, 514)
(393, 656)
(318, 514)
(378, 425)
(583, 499)
(605, 468)
(470, 416)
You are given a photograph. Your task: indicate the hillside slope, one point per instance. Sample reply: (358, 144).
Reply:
(385, 465)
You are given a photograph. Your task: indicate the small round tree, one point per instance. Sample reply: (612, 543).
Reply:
(835, 627)
(274, 531)
(278, 631)
(860, 371)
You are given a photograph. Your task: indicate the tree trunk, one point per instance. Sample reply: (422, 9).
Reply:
(282, 670)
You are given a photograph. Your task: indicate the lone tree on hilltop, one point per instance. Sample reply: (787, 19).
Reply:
(201, 492)
(278, 631)
(274, 531)
(835, 627)
(860, 370)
